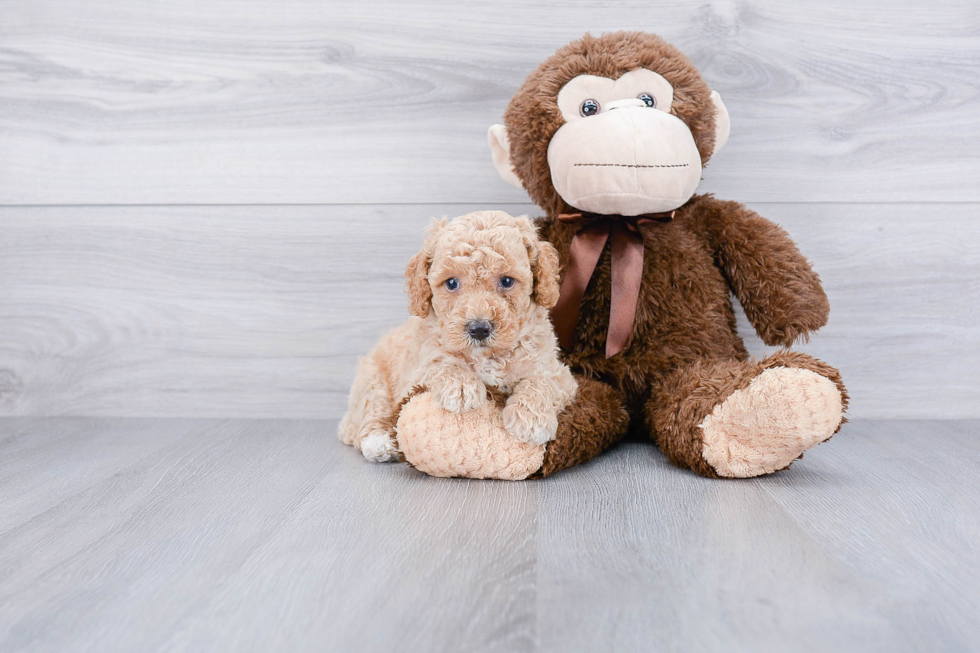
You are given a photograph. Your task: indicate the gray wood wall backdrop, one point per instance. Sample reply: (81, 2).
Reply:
(206, 205)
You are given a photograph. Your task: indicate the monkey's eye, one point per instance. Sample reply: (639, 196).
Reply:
(648, 99)
(589, 108)
(452, 284)
(506, 282)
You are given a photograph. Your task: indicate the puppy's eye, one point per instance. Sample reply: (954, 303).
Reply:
(589, 108)
(452, 284)
(648, 99)
(506, 282)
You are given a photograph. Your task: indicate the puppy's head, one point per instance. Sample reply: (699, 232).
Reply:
(482, 275)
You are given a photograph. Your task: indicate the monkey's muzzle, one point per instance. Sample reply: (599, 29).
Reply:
(629, 161)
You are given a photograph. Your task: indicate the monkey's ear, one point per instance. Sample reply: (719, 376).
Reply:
(723, 125)
(500, 150)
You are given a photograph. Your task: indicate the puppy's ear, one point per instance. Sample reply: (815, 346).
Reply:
(417, 272)
(419, 293)
(546, 288)
(544, 264)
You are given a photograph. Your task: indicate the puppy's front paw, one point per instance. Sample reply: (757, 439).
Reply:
(527, 423)
(379, 447)
(461, 396)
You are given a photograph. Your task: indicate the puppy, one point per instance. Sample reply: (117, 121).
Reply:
(479, 293)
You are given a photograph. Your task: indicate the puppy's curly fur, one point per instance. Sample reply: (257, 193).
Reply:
(505, 278)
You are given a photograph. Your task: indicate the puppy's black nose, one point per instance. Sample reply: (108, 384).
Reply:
(479, 329)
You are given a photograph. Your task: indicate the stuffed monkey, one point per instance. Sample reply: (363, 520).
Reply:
(609, 137)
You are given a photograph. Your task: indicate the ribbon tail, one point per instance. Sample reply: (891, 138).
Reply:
(583, 256)
(627, 275)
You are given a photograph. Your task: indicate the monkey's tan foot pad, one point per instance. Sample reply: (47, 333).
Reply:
(473, 444)
(769, 424)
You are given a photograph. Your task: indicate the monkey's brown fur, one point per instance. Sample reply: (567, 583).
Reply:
(587, 427)
(685, 356)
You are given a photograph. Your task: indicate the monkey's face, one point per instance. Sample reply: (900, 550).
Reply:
(617, 124)
(620, 150)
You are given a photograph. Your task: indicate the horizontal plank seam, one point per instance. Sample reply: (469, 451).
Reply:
(453, 203)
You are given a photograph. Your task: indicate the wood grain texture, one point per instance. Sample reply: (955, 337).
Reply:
(262, 311)
(259, 535)
(305, 101)
(271, 521)
(864, 545)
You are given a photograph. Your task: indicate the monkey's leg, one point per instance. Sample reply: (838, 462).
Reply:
(595, 421)
(739, 419)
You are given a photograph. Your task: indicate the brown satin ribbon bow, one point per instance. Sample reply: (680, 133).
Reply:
(626, 269)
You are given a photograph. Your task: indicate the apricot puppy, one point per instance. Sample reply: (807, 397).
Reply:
(479, 294)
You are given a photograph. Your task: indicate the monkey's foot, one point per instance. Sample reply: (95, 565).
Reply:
(475, 443)
(471, 444)
(766, 426)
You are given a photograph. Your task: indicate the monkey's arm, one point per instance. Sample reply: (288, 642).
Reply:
(780, 292)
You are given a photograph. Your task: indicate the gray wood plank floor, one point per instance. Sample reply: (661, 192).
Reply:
(216, 535)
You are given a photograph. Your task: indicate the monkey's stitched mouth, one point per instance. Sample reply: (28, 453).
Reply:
(628, 165)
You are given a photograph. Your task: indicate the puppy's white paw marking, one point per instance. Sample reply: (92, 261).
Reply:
(460, 397)
(378, 447)
(541, 437)
(529, 425)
